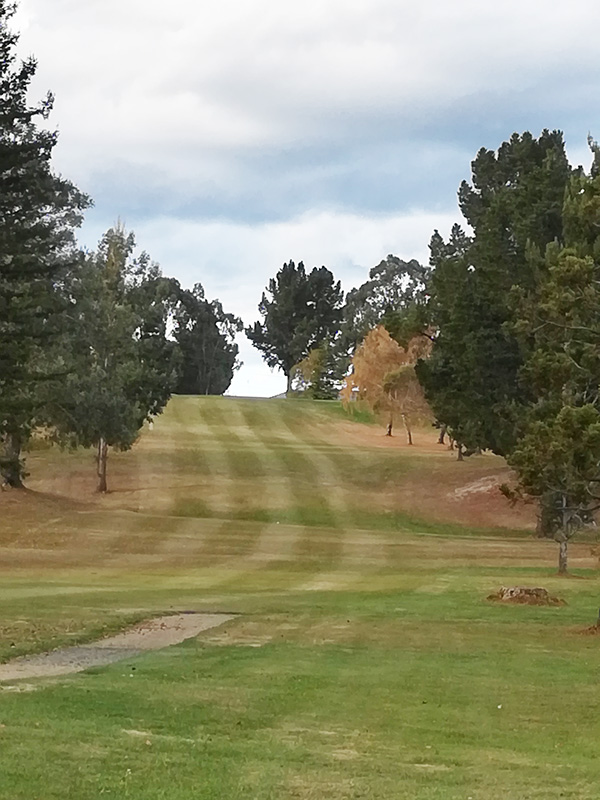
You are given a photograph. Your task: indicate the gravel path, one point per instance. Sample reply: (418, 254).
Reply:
(151, 635)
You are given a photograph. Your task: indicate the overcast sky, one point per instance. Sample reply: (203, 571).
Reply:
(232, 136)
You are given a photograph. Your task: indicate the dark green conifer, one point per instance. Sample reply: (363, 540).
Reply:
(38, 214)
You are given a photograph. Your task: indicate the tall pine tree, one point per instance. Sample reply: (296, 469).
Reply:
(557, 455)
(302, 312)
(513, 205)
(38, 214)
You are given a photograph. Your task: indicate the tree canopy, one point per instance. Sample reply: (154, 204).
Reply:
(514, 366)
(557, 454)
(394, 286)
(205, 335)
(119, 366)
(383, 378)
(299, 312)
(38, 214)
(316, 375)
(512, 205)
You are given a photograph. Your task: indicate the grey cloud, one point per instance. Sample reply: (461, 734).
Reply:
(277, 185)
(255, 111)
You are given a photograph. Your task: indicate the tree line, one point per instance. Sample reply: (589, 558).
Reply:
(91, 343)
(499, 334)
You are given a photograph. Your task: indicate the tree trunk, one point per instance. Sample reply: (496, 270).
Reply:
(539, 525)
(289, 383)
(407, 428)
(545, 524)
(562, 536)
(459, 447)
(390, 427)
(443, 431)
(102, 461)
(562, 556)
(12, 472)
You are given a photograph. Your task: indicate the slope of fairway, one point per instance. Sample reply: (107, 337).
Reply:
(286, 460)
(365, 661)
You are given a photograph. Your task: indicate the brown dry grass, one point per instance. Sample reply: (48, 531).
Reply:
(431, 485)
(440, 488)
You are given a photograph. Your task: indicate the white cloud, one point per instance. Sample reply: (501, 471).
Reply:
(234, 261)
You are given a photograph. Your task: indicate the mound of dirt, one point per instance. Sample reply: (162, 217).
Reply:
(523, 595)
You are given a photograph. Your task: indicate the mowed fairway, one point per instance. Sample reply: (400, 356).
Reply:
(365, 661)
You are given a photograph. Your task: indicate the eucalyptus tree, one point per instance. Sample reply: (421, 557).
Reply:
(394, 287)
(205, 335)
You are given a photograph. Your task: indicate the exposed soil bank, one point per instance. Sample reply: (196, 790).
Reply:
(151, 635)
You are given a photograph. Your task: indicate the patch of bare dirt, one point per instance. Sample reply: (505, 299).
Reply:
(524, 595)
(154, 634)
(448, 495)
(485, 485)
(435, 485)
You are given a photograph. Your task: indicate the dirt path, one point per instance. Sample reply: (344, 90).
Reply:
(151, 635)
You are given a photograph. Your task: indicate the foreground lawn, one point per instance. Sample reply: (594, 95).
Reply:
(365, 661)
(404, 694)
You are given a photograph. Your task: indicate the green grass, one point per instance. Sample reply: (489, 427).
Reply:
(354, 411)
(365, 661)
(321, 516)
(294, 720)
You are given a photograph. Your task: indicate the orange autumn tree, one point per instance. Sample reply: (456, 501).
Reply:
(383, 378)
